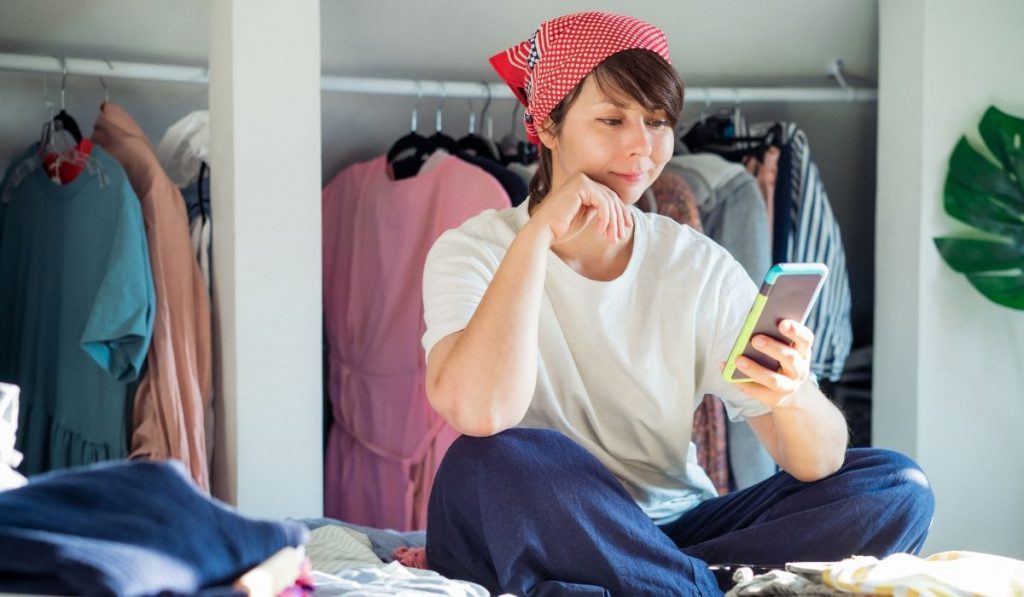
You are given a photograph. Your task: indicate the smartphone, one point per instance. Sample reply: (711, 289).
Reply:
(789, 291)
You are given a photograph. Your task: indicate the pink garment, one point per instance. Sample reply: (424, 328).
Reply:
(168, 419)
(412, 557)
(386, 442)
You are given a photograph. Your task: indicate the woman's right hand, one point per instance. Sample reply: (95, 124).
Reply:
(567, 210)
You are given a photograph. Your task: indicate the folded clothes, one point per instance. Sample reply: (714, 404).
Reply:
(945, 573)
(128, 528)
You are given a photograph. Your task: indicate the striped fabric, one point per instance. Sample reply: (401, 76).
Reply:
(333, 548)
(813, 236)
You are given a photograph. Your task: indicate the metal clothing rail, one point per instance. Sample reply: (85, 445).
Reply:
(415, 88)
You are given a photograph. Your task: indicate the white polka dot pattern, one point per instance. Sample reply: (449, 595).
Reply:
(543, 69)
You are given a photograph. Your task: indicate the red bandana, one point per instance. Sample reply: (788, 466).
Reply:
(544, 69)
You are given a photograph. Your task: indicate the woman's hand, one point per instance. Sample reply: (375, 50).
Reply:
(568, 209)
(773, 387)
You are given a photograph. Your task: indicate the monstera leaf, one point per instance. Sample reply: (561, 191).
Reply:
(989, 196)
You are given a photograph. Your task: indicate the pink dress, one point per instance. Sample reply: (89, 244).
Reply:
(385, 440)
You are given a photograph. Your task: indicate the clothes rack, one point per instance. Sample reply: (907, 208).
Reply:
(412, 87)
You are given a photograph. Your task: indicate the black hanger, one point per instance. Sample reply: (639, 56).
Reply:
(68, 124)
(472, 142)
(476, 145)
(526, 153)
(438, 140)
(412, 140)
(62, 121)
(717, 134)
(714, 130)
(508, 146)
(203, 169)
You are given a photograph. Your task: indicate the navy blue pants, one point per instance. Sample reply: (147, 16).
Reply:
(530, 512)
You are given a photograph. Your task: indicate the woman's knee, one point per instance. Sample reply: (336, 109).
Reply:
(514, 454)
(897, 473)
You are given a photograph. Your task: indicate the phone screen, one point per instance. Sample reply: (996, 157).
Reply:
(790, 296)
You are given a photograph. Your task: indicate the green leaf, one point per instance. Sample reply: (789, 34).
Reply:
(968, 255)
(1004, 135)
(989, 196)
(976, 173)
(1004, 290)
(981, 210)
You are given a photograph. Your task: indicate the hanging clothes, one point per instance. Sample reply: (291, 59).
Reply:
(183, 152)
(732, 208)
(806, 230)
(674, 198)
(525, 172)
(386, 441)
(170, 402)
(766, 170)
(734, 215)
(76, 313)
(184, 147)
(513, 184)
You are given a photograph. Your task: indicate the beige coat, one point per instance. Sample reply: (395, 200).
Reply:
(175, 390)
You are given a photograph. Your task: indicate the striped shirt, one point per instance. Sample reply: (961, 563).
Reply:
(810, 233)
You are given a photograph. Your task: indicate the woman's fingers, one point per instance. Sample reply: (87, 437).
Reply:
(793, 362)
(597, 200)
(774, 381)
(620, 218)
(800, 334)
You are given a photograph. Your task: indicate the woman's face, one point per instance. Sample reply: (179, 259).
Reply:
(613, 140)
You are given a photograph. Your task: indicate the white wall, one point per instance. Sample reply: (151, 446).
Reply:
(949, 385)
(266, 256)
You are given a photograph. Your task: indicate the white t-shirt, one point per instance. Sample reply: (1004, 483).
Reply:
(622, 363)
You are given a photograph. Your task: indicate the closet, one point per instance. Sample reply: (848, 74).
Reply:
(279, 134)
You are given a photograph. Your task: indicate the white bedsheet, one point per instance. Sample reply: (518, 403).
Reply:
(392, 579)
(344, 564)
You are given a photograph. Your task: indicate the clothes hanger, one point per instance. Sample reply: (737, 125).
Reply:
(106, 92)
(59, 122)
(716, 133)
(514, 149)
(413, 140)
(439, 140)
(508, 145)
(472, 142)
(65, 120)
(203, 169)
(64, 164)
(409, 166)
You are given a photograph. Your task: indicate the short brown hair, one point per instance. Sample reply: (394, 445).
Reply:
(640, 74)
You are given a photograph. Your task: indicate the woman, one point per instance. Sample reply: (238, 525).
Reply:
(568, 339)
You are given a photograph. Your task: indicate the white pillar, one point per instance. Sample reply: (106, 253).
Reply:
(265, 160)
(949, 364)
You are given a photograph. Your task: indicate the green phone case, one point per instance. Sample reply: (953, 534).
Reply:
(797, 306)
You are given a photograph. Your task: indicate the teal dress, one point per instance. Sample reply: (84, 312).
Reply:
(76, 309)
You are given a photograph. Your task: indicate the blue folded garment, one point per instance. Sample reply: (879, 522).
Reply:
(127, 528)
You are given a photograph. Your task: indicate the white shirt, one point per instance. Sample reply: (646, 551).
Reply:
(622, 363)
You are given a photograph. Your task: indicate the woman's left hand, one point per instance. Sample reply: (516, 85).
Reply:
(773, 387)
